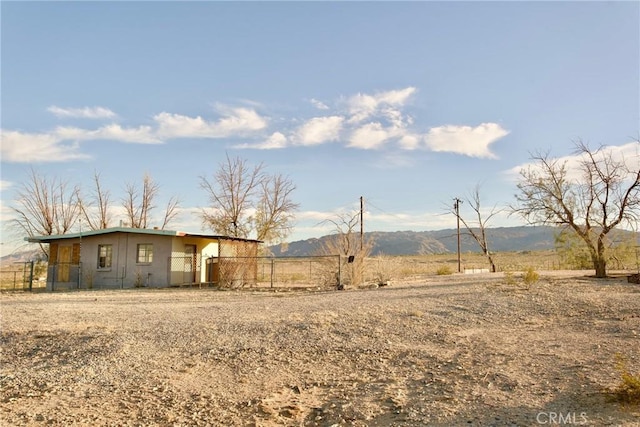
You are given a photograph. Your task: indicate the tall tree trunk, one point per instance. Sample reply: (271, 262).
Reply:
(600, 265)
(493, 265)
(600, 260)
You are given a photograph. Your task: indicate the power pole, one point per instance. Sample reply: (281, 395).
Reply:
(361, 223)
(456, 207)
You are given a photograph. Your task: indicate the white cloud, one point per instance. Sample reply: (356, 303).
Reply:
(363, 106)
(319, 130)
(275, 141)
(369, 136)
(628, 153)
(395, 160)
(5, 184)
(235, 121)
(319, 104)
(409, 141)
(82, 113)
(465, 140)
(37, 147)
(62, 144)
(139, 135)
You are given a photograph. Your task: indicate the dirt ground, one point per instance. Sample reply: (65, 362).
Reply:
(472, 350)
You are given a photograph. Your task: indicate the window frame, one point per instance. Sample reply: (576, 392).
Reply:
(145, 249)
(108, 257)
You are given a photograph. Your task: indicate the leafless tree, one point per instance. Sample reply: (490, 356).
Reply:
(95, 207)
(245, 201)
(45, 206)
(138, 204)
(275, 210)
(171, 211)
(346, 242)
(478, 230)
(604, 195)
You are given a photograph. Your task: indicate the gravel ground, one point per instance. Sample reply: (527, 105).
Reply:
(456, 350)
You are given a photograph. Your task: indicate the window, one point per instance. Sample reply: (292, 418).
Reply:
(104, 256)
(145, 253)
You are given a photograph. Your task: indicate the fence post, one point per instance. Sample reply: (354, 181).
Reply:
(272, 268)
(31, 276)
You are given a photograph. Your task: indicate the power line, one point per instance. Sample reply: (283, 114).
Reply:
(383, 211)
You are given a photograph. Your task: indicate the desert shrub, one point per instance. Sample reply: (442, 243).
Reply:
(628, 391)
(383, 269)
(445, 270)
(138, 281)
(509, 278)
(530, 276)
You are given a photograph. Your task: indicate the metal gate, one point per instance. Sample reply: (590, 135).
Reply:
(17, 276)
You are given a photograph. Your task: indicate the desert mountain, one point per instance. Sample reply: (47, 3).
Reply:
(503, 239)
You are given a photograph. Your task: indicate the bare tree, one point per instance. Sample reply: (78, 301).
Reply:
(45, 206)
(244, 201)
(95, 207)
(604, 195)
(346, 242)
(171, 211)
(274, 213)
(478, 230)
(138, 204)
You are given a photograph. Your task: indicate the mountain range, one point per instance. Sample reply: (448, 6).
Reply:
(501, 239)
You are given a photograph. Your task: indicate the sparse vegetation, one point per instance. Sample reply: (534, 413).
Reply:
(628, 391)
(444, 270)
(509, 278)
(139, 282)
(384, 269)
(530, 276)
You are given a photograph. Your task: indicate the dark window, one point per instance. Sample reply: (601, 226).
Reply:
(104, 256)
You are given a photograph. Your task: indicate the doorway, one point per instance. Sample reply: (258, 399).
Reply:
(64, 263)
(190, 263)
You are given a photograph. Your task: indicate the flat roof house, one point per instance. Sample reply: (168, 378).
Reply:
(122, 257)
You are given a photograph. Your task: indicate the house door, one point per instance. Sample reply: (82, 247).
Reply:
(190, 253)
(64, 262)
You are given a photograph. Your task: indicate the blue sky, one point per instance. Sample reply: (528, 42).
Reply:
(407, 104)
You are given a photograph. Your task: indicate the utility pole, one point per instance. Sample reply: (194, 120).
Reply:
(456, 207)
(361, 223)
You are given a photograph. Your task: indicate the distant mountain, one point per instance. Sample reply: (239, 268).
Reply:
(22, 256)
(502, 239)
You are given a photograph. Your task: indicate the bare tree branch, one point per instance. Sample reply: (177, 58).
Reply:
(171, 211)
(45, 206)
(275, 210)
(479, 233)
(138, 203)
(95, 207)
(346, 243)
(244, 201)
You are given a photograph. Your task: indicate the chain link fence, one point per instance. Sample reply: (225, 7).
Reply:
(234, 272)
(22, 276)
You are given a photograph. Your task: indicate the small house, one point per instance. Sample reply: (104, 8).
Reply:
(122, 257)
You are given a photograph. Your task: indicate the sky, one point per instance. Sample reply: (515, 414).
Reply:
(407, 104)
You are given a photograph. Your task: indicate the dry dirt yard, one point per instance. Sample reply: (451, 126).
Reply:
(449, 351)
